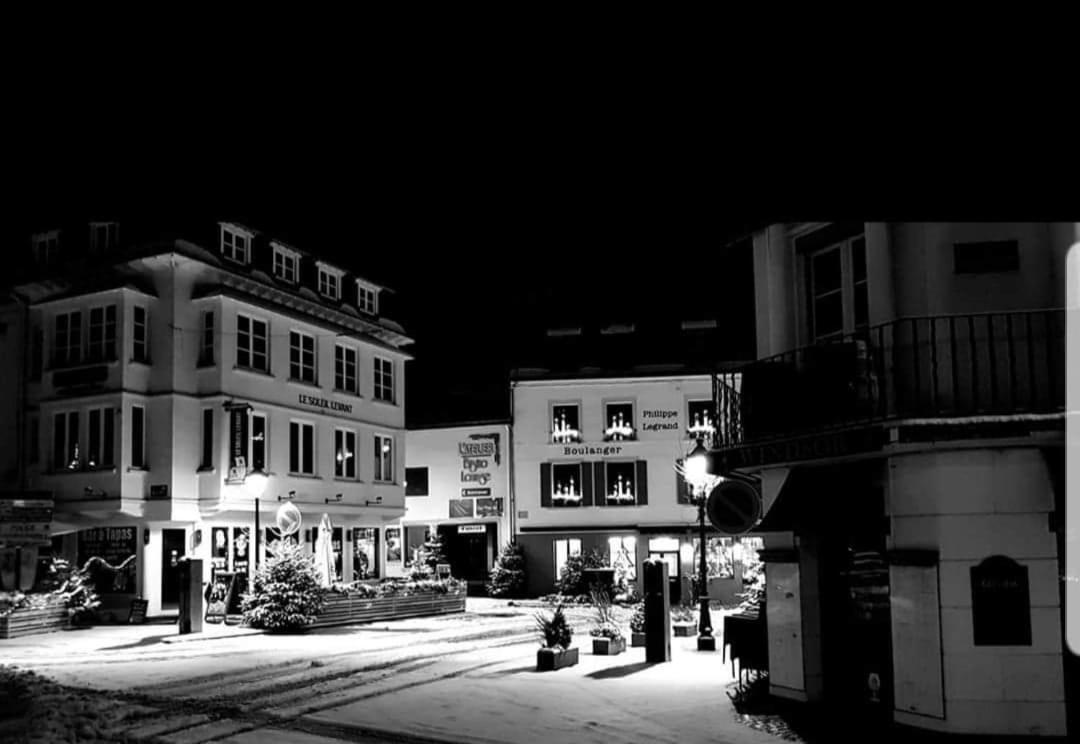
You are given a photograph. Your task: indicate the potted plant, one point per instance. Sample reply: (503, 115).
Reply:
(556, 634)
(637, 625)
(608, 639)
(683, 620)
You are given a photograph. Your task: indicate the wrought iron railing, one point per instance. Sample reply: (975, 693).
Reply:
(946, 366)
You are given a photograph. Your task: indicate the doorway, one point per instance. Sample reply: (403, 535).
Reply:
(469, 552)
(172, 550)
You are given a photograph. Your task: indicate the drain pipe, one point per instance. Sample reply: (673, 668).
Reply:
(510, 469)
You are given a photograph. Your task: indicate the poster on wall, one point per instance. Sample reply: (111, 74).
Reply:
(238, 443)
(461, 508)
(241, 555)
(219, 549)
(365, 552)
(489, 507)
(114, 573)
(393, 544)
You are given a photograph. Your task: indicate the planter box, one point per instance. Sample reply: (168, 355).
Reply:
(637, 640)
(25, 622)
(684, 630)
(342, 609)
(550, 659)
(608, 646)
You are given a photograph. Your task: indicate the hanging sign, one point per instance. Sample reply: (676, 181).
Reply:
(238, 442)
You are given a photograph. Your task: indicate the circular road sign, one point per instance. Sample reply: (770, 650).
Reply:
(734, 507)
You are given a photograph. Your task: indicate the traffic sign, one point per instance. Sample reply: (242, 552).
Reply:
(734, 506)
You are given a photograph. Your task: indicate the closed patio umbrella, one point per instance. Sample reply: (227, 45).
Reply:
(324, 551)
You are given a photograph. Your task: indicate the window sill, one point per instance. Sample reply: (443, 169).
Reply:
(350, 393)
(206, 469)
(144, 362)
(303, 383)
(306, 476)
(378, 482)
(138, 469)
(107, 470)
(206, 364)
(346, 479)
(253, 371)
(385, 402)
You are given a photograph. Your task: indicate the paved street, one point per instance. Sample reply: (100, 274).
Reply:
(465, 678)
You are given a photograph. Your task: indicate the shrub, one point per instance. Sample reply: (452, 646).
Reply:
(555, 631)
(77, 588)
(508, 576)
(637, 620)
(572, 581)
(683, 614)
(285, 593)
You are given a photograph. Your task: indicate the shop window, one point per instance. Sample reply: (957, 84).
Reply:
(393, 545)
(622, 556)
(416, 481)
(618, 422)
(566, 484)
(563, 550)
(565, 423)
(699, 418)
(719, 556)
(620, 483)
(366, 552)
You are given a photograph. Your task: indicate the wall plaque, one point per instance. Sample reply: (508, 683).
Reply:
(1000, 603)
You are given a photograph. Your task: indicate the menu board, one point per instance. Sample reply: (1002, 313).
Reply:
(224, 596)
(114, 545)
(219, 549)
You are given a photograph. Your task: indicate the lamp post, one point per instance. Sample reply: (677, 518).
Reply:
(255, 483)
(694, 471)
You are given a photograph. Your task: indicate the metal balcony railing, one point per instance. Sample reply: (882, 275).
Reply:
(936, 367)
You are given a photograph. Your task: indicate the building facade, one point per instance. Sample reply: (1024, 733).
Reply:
(158, 376)
(906, 422)
(457, 482)
(594, 470)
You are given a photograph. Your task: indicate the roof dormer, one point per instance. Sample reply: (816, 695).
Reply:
(236, 242)
(329, 280)
(367, 297)
(286, 262)
(46, 246)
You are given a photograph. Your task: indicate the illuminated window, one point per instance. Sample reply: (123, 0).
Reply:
(565, 423)
(344, 453)
(563, 550)
(719, 556)
(622, 554)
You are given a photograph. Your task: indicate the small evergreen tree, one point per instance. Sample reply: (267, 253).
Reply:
(508, 576)
(572, 580)
(285, 593)
(555, 631)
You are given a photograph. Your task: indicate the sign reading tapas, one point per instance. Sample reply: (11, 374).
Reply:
(330, 405)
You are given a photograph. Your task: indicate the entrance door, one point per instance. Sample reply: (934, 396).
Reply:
(172, 550)
(674, 579)
(468, 552)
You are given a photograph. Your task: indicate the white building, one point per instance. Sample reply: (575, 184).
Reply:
(906, 421)
(594, 470)
(458, 483)
(159, 375)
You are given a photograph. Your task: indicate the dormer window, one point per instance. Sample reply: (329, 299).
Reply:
(104, 236)
(236, 244)
(46, 247)
(286, 263)
(367, 298)
(565, 425)
(330, 281)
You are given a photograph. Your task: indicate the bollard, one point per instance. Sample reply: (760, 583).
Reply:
(191, 596)
(657, 612)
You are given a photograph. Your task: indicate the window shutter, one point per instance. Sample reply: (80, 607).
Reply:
(642, 483)
(586, 484)
(601, 486)
(545, 484)
(682, 489)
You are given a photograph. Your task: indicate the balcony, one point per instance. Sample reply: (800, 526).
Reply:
(982, 370)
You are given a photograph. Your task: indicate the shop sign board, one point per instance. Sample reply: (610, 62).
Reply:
(25, 522)
(489, 507)
(467, 529)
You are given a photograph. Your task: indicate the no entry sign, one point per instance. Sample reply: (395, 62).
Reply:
(734, 507)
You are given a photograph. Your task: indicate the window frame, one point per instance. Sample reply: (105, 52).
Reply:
(342, 464)
(572, 435)
(206, 339)
(73, 339)
(105, 434)
(567, 500)
(706, 429)
(140, 348)
(207, 445)
(379, 380)
(384, 461)
(628, 433)
(329, 272)
(427, 482)
(297, 427)
(848, 291)
(341, 360)
(299, 365)
(363, 289)
(138, 444)
(568, 542)
(47, 242)
(230, 248)
(251, 336)
(289, 263)
(62, 461)
(630, 465)
(112, 235)
(106, 351)
(253, 442)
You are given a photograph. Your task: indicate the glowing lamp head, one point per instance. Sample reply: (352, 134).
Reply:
(696, 464)
(255, 484)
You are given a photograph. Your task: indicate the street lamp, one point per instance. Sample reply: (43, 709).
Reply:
(694, 470)
(255, 483)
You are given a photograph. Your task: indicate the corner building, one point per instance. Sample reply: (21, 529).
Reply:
(158, 375)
